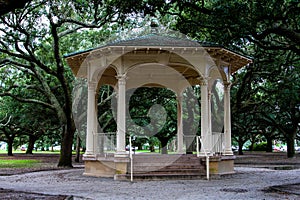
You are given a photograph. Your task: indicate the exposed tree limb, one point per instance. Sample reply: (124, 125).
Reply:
(25, 100)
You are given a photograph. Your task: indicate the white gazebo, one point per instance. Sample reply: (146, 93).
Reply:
(156, 60)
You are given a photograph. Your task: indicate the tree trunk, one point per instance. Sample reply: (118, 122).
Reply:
(77, 148)
(30, 147)
(65, 159)
(140, 146)
(10, 146)
(269, 144)
(241, 144)
(251, 147)
(189, 144)
(164, 150)
(290, 141)
(151, 148)
(164, 146)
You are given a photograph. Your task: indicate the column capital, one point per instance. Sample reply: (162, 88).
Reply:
(204, 81)
(227, 85)
(91, 85)
(121, 79)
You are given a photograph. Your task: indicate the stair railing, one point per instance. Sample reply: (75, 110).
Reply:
(131, 158)
(199, 141)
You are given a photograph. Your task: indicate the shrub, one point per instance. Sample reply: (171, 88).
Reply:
(260, 146)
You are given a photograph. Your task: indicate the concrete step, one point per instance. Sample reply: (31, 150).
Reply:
(150, 167)
(165, 158)
(157, 167)
(140, 177)
(173, 171)
(175, 164)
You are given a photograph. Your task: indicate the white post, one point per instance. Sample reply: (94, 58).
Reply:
(204, 118)
(209, 121)
(207, 167)
(205, 154)
(227, 120)
(131, 159)
(90, 119)
(179, 125)
(121, 115)
(197, 145)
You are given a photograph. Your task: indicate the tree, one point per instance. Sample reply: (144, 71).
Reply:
(154, 109)
(32, 42)
(282, 109)
(266, 30)
(10, 5)
(270, 24)
(9, 128)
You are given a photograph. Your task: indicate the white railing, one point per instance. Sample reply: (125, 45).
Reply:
(104, 144)
(218, 146)
(206, 154)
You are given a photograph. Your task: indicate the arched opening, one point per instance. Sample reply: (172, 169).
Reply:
(152, 117)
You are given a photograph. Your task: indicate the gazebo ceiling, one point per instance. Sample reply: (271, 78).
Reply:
(158, 43)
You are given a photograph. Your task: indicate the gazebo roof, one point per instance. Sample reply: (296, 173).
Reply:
(156, 41)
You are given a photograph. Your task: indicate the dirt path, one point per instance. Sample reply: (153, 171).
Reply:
(254, 182)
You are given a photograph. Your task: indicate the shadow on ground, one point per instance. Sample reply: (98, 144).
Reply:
(16, 195)
(287, 189)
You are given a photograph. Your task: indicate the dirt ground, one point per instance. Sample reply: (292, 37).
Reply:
(268, 160)
(275, 161)
(47, 162)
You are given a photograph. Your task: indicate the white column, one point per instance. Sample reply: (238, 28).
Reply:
(227, 120)
(209, 120)
(97, 137)
(90, 119)
(121, 115)
(206, 139)
(179, 125)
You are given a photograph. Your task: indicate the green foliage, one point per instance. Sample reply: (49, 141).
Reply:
(265, 95)
(154, 109)
(260, 146)
(106, 112)
(33, 42)
(269, 24)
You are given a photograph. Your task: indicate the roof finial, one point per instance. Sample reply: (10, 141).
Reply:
(154, 25)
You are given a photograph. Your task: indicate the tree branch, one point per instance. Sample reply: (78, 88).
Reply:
(24, 100)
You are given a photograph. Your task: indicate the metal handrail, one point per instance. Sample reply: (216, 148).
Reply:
(131, 159)
(199, 139)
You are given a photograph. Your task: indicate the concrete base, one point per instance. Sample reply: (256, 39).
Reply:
(105, 167)
(220, 165)
(99, 169)
(119, 166)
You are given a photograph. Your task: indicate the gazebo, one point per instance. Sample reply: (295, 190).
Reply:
(156, 60)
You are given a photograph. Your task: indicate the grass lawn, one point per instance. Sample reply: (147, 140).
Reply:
(8, 163)
(147, 151)
(39, 152)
